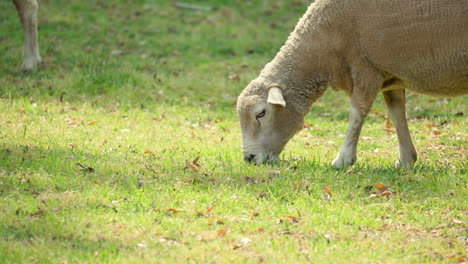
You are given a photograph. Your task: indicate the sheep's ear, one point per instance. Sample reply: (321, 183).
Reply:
(275, 96)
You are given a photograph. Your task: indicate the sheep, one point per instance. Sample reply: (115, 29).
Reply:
(361, 47)
(27, 11)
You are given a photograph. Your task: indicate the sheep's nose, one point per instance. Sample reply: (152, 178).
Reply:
(249, 157)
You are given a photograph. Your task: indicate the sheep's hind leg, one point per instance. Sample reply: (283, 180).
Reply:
(366, 86)
(395, 101)
(27, 10)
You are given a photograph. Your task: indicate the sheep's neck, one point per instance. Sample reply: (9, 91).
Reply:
(298, 66)
(292, 70)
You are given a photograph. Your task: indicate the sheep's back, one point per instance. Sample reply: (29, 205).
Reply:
(423, 43)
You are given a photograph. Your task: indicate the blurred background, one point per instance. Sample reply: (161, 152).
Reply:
(145, 51)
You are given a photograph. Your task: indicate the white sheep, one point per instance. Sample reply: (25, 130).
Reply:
(362, 47)
(27, 11)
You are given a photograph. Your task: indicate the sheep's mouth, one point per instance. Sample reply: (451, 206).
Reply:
(259, 159)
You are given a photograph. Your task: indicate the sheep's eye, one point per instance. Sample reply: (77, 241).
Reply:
(261, 114)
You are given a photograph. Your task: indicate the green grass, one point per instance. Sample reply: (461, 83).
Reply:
(136, 89)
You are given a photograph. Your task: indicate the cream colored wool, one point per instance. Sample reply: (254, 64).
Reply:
(361, 47)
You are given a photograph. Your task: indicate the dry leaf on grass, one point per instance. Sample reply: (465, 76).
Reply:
(327, 193)
(175, 211)
(243, 242)
(209, 209)
(381, 191)
(222, 232)
(431, 125)
(168, 241)
(194, 165)
(307, 125)
(388, 124)
(86, 168)
(292, 219)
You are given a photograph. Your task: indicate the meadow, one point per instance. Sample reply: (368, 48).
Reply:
(125, 147)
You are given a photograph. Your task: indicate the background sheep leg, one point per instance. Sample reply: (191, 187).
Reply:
(366, 86)
(27, 10)
(395, 101)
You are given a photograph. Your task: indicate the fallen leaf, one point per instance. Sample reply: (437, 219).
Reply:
(436, 132)
(296, 186)
(88, 169)
(92, 122)
(293, 219)
(245, 241)
(388, 124)
(431, 125)
(141, 245)
(382, 191)
(209, 209)
(250, 180)
(379, 185)
(222, 232)
(327, 189)
(261, 230)
(195, 162)
(194, 165)
(168, 241)
(261, 195)
(149, 152)
(327, 193)
(175, 211)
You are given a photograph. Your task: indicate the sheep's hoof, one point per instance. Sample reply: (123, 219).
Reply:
(343, 162)
(30, 65)
(404, 165)
(29, 68)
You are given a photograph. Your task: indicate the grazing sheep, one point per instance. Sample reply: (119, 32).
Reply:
(27, 11)
(362, 47)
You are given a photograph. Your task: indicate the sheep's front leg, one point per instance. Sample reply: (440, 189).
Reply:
(27, 10)
(347, 155)
(395, 101)
(366, 86)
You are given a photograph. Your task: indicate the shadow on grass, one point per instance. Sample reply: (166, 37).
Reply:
(67, 242)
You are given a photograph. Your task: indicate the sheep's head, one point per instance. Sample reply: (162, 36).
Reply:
(267, 121)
